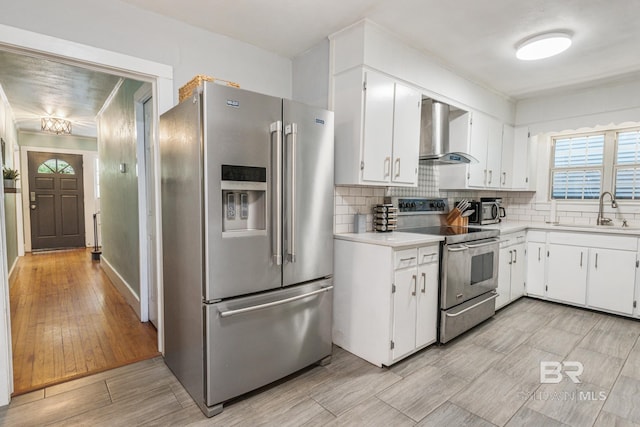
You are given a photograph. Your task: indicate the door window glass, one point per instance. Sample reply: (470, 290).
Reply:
(56, 166)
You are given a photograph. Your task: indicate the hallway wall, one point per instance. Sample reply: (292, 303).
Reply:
(119, 190)
(9, 134)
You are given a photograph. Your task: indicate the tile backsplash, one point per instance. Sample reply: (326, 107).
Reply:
(519, 205)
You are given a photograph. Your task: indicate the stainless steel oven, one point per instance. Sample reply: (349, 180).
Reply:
(467, 290)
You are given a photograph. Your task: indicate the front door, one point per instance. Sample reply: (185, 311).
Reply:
(56, 200)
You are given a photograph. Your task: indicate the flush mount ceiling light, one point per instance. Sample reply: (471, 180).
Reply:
(543, 46)
(55, 125)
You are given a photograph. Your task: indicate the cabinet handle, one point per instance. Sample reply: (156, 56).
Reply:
(427, 256)
(415, 285)
(424, 283)
(407, 259)
(539, 254)
(397, 167)
(596, 260)
(510, 257)
(515, 256)
(504, 178)
(490, 176)
(485, 175)
(387, 166)
(581, 259)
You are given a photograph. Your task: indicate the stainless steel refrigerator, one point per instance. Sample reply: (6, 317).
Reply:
(247, 237)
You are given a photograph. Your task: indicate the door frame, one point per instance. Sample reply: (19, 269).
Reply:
(88, 177)
(147, 260)
(161, 78)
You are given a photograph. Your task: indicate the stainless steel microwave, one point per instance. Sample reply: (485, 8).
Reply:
(487, 211)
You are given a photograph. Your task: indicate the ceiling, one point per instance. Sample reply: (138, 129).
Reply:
(37, 88)
(475, 38)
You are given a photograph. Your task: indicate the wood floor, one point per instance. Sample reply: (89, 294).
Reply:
(68, 321)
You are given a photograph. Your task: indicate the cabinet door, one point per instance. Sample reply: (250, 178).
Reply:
(406, 135)
(517, 271)
(536, 259)
(504, 277)
(612, 275)
(404, 312)
(494, 153)
(567, 273)
(377, 128)
(520, 159)
(427, 304)
(477, 172)
(506, 166)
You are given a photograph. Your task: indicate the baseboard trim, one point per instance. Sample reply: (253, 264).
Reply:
(121, 285)
(13, 271)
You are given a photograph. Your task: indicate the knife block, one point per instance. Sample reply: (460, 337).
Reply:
(459, 222)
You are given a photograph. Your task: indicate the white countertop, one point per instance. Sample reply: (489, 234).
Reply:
(394, 239)
(398, 239)
(507, 227)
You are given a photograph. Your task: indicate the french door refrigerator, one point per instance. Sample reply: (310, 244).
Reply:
(247, 237)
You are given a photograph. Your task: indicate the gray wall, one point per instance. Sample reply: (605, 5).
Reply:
(119, 191)
(311, 76)
(121, 27)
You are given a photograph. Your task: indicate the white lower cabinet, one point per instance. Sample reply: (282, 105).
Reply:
(567, 274)
(511, 267)
(594, 271)
(612, 275)
(385, 300)
(536, 268)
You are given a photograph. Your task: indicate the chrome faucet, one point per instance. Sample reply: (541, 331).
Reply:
(601, 220)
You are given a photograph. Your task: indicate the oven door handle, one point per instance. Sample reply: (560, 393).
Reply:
(457, 248)
(485, 243)
(494, 295)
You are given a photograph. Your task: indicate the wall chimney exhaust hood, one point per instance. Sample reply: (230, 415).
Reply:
(434, 135)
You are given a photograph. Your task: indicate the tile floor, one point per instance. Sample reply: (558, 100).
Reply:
(489, 376)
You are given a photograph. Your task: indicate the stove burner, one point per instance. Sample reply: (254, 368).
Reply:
(454, 234)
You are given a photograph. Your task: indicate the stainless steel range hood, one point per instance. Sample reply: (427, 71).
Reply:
(434, 136)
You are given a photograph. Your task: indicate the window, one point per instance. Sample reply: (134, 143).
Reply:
(56, 166)
(577, 167)
(627, 166)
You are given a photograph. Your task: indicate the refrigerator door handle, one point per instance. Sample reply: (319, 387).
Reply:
(229, 313)
(276, 186)
(291, 132)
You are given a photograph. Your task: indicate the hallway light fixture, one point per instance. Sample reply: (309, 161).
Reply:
(55, 125)
(543, 46)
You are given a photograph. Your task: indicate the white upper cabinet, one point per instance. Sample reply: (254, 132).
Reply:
(502, 152)
(515, 158)
(377, 128)
(406, 131)
(486, 146)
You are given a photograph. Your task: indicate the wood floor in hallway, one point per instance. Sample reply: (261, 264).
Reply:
(68, 321)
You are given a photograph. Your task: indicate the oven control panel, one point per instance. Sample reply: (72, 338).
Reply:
(411, 204)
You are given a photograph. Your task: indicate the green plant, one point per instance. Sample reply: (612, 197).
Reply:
(8, 173)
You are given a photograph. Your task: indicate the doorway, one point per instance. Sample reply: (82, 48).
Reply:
(161, 78)
(56, 200)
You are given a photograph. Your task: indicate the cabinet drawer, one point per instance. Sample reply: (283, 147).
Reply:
(537, 236)
(405, 258)
(428, 254)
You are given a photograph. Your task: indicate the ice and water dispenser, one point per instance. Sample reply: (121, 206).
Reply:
(244, 209)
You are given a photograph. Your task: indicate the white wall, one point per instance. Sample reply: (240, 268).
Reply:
(123, 28)
(612, 103)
